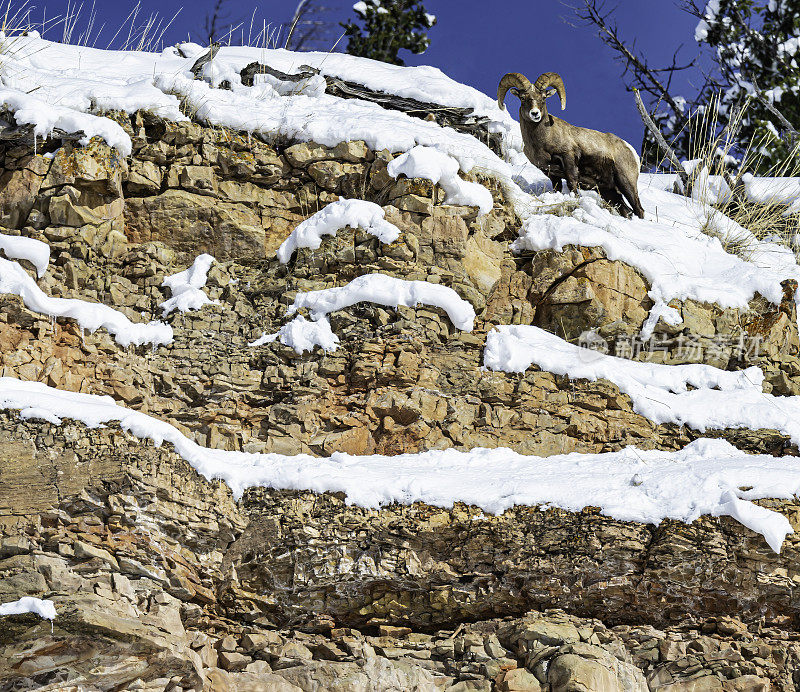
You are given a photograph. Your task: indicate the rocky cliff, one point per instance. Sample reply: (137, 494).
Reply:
(163, 580)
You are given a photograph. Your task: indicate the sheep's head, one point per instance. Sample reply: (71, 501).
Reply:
(533, 97)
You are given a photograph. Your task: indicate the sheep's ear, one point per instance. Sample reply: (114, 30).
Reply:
(551, 91)
(515, 91)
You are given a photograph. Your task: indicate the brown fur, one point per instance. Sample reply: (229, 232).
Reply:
(585, 158)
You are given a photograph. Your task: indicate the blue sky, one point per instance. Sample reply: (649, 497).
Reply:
(476, 42)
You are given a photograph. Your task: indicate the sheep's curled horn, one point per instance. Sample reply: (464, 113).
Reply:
(519, 82)
(553, 79)
(513, 80)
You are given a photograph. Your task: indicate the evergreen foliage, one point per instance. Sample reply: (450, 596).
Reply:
(387, 27)
(755, 46)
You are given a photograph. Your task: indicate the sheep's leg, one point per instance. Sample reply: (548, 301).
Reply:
(631, 194)
(614, 198)
(571, 173)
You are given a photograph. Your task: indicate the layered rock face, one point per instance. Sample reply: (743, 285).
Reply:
(162, 580)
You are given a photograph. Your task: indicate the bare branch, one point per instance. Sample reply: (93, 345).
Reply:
(203, 60)
(668, 151)
(793, 134)
(648, 81)
(214, 21)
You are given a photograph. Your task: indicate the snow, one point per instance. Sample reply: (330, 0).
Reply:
(706, 477)
(659, 311)
(28, 604)
(668, 247)
(30, 109)
(773, 191)
(441, 169)
(719, 399)
(15, 280)
(328, 120)
(714, 189)
(186, 287)
(354, 213)
(69, 84)
(314, 85)
(360, 7)
(302, 335)
(709, 17)
(423, 83)
(34, 251)
(756, 189)
(389, 291)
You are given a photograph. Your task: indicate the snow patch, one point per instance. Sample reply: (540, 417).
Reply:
(16, 281)
(186, 287)
(29, 109)
(354, 213)
(34, 251)
(705, 477)
(709, 17)
(441, 169)
(659, 311)
(719, 399)
(302, 335)
(668, 247)
(389, 291)
(28, 604)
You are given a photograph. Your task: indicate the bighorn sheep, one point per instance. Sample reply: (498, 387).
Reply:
(586, 158)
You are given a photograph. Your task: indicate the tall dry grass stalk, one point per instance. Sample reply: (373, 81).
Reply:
(78, 26)
(718, 171)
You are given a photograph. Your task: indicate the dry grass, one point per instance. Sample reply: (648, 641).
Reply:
(78, 26)
(719, 166)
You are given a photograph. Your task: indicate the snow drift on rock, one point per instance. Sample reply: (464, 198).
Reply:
(441, 169)
(706, 477)
(15, 280)
(678, 260)
(718, 399)
(389, 291)
(354, 213)
(186, 287)
(28, 604)
(302, 335)
(34, 251)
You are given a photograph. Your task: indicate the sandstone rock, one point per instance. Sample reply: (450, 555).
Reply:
(144, 178)
(198, 179)
(707, 683)
(306, 153)
(471, 686)
(18, 191)
(189, 225)
(95, 168)
(14, 545)
(88, 551)
(64, 212)
(747, 683)
(585, 667)
(233, 662)
(247, 682)
(517, 680)
(552, 633)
